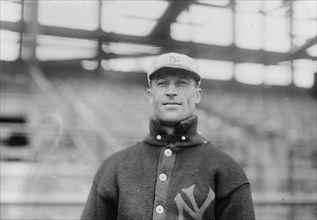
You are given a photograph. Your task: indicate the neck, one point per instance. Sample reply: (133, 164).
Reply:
(173, 128)
(169, 129)
(162, 133)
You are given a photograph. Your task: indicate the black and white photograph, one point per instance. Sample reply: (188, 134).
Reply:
(158, 109)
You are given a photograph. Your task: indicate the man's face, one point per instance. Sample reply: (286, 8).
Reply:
(173, 96)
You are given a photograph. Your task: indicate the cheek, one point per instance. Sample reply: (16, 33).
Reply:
(191, 100)
(156, 99)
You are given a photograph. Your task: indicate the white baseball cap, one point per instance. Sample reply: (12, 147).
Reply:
(177, 61)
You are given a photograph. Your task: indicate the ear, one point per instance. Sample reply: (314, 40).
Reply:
(198, 95)
(150, 96)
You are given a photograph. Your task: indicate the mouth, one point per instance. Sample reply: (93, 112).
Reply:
(171, 103)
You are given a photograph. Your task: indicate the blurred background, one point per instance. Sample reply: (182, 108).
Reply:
(73, 91)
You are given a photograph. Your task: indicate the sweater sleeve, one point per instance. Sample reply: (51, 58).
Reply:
(102, 196)
(97, 208)
(90, 209)
(237, 205)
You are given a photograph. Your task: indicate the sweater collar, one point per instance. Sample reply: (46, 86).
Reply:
(186, 134)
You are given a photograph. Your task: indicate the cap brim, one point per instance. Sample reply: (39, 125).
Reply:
(166, 70)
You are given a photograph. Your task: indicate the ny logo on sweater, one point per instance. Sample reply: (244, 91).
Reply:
(196, 213)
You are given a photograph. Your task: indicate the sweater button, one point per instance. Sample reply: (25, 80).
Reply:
(162, 177)
(183, 138)
(168, 152)
(158, 137)
(159, 209)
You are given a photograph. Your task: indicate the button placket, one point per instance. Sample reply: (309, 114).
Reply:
(164, 171)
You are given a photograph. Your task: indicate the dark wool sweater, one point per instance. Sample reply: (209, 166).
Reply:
(179, 176)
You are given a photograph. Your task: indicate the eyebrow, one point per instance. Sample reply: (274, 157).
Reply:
(166, 76)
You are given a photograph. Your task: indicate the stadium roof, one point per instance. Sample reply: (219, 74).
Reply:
(253, 32)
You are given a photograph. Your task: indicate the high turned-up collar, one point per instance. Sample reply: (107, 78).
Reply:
(185, 133)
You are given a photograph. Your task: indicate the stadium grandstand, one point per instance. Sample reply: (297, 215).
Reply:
(73, 91)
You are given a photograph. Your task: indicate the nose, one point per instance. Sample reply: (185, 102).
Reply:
(171, 91)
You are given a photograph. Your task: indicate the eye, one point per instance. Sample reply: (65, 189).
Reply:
(161, 83)
(182, 82)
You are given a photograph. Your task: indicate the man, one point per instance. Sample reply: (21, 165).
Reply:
(174, 173)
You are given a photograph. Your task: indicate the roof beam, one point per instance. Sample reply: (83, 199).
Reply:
(302, 49)
(162, 28)
(12, 26)
(197, 50)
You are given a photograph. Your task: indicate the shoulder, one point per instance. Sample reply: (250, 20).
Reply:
(106, 176)
(218, 157)
(224, 159)
(110, 165)
(228, 173)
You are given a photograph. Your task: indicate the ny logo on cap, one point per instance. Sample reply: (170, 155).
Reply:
(195, 212)
(173, 59)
